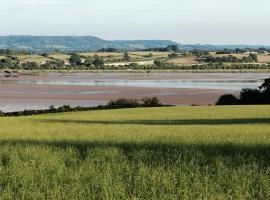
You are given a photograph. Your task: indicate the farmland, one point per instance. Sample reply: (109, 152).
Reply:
(156, 153)
(152, 59)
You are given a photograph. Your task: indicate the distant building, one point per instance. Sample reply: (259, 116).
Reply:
(66, 62)
(250, 52)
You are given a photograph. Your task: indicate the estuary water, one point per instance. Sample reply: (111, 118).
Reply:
(90, 89)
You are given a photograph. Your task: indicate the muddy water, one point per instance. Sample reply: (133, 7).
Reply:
(90, 89)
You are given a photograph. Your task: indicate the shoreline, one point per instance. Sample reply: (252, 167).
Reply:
(37, 72)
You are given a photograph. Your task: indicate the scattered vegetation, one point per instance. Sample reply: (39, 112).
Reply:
(232, 59)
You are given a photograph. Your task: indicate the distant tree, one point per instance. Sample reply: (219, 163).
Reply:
(98, 61)
(173, 55)
(174, 48)
(75, 59)
(108, 50)
(254, 57)
(266, 85)
(31, 65)
(45, 55)
(227, 99)
(151, 102)
(250, 96)
(126, 57)
(88, 62)
(159, 63)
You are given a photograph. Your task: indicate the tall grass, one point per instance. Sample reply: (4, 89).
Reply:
(155, 153)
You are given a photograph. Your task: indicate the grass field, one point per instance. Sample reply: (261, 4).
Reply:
(155, 153)
(60, 56)
(32, 58)
(185, 60)
(238, 55)
(264, 58)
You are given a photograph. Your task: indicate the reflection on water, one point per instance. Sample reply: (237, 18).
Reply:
(33, 96)
(179, 84)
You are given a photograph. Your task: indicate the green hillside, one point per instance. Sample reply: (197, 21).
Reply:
(74, 43)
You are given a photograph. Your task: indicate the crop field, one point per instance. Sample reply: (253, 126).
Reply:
(238, 55)
(185, 60)
(60, 56)
(32, 58)
(264, 58)
(102, 54)
(155, 153)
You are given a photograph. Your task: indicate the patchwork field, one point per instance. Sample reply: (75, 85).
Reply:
(264, 58)
(155, 153)
(185, 60)
(238, 55)
(60, 56)
(32, 58)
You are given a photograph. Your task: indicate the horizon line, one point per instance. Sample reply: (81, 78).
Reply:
(180, 43)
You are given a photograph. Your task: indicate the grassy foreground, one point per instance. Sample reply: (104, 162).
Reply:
(155, 153)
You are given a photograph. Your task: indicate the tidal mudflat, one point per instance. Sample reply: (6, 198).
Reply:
(91, 89)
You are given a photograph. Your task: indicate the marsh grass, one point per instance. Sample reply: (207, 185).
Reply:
(155, 153)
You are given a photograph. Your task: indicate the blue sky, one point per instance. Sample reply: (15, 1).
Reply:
(184, 21)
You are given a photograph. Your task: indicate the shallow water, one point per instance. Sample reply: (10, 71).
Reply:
(89, 89)
(179, 84)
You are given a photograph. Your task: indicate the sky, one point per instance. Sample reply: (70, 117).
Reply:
(183, 21)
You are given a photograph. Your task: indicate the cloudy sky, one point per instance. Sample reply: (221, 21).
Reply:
(184, 21)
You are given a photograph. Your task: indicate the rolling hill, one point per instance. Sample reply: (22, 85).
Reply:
(90, 43)
(74, 43)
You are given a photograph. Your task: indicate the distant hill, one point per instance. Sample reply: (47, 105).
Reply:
(75, 43)
(90, 43)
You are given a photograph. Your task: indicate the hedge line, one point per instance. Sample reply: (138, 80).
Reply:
(114, 104)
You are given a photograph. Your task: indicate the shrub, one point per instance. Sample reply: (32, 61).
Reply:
(124, 103)
(250, 96)
(114, 104)
(151, 102)
(227, 99)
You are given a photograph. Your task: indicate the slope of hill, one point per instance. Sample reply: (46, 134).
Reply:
(74, 43)
(90, 43)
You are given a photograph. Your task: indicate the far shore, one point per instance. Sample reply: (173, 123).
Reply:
(37, 72)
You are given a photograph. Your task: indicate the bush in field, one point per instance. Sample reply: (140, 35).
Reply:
(75, 59)
(126, 57)
(250, 96)
(124, 103)
(134, 103)
(98, 61)
(227, 99)
(151, 102)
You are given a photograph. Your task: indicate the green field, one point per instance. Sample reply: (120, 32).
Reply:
(156, 153)
(32, 58)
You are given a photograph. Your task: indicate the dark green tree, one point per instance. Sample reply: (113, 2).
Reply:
(98, 61)
(126, 57)
(75, 59)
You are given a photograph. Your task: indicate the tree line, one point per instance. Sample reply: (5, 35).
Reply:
(232, 59)
(120, 103)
